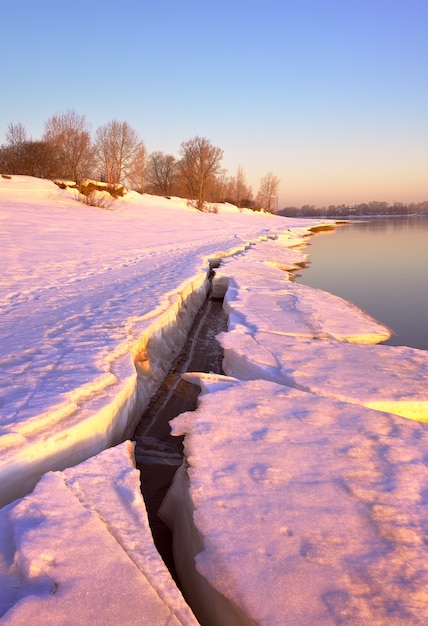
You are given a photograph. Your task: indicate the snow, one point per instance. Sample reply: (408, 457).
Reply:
(297, 502)
(386, 378)
(307, 510)
(71, 556)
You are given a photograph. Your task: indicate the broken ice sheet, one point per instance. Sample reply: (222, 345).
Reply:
(307, 507)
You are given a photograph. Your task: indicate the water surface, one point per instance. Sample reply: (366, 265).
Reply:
(380, 264)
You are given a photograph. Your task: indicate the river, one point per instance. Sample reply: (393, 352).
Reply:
(380, 264)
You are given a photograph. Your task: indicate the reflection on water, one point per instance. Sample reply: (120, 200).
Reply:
(380, 264)
(405, 222)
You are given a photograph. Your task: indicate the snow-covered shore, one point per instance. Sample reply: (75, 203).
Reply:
(94, 305)
(297, 502)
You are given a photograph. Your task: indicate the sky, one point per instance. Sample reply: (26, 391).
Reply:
(330, 96)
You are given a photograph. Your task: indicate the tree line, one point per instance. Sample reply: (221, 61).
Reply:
(115, 154)
(357, 210)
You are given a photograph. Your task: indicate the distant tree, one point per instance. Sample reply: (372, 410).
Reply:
(199, 164)
(23, 156)
(161, 173)
(242, 193)
(12, 154)
(268, 191)
(116, 145)
(376, 207)
(240, 186)
(289, 211)
(69, 135)
(218, 187)
(15, 134)
(137, 168)
(356, 210)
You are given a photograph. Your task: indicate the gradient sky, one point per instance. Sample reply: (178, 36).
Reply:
(329, 95)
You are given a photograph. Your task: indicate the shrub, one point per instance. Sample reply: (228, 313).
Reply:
(94, 197)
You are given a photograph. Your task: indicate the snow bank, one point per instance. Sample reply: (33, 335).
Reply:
(278, 253)
(106, 410)
(65, 544)
(209, 605)
(306, 509)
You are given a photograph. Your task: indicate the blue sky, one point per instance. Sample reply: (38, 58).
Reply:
(329, 95)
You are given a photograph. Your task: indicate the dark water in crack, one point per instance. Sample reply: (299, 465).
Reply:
(157, 453)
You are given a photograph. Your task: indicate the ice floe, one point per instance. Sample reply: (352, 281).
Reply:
(262, 298)
(386, 378)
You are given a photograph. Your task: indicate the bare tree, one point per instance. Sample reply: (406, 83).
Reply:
(12, 156)
(198, 167)
(240, 191)
(15, 134)
(268, 191)
(41, 159)
(244, 193)
(161, 173)
(116, 145)
(137, 168)
(69, 135)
